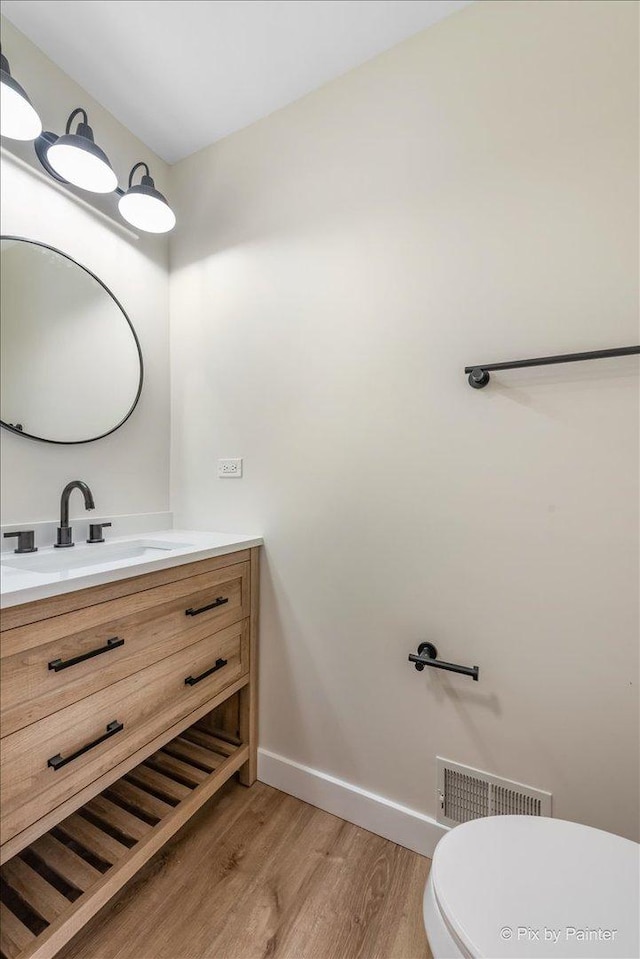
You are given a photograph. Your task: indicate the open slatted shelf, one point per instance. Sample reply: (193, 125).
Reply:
(51, 888)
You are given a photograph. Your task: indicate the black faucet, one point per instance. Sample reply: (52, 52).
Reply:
(65, 532)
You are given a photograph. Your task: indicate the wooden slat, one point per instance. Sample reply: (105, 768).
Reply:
(14, 935)
(52, 939)
(177, 769)
(117, 818)
(92, 839)
(145, 776)
(210, 742)
(139, 799)
(65, 862)
(221, 732)
(191, 753)
(45, 901)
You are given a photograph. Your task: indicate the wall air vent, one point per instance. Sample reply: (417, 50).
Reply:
(465, 793)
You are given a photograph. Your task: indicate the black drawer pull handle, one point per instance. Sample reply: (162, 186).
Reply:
(220, 601)
(56, 762)
(192, 680)
(57, 664)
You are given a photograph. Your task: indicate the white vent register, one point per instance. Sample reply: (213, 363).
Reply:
(465, 793)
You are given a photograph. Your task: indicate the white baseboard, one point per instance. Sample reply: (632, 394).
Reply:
(402, 825)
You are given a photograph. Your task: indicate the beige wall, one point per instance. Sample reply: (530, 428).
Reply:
(470, 195)
(129, 470)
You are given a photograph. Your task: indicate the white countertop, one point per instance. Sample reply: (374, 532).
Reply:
(20, 584)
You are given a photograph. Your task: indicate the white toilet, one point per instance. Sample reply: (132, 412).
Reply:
(511, 886)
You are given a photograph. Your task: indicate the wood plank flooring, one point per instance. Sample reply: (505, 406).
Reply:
(257, 874)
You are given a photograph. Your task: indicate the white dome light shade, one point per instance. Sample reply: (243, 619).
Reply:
(145, 207)
(18, 119)
(81, 167)
(147, 212)
(77, 159)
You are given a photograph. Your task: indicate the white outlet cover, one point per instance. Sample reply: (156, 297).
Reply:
(230, 468)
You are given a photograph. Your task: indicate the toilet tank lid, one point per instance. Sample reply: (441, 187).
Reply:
(511, 886)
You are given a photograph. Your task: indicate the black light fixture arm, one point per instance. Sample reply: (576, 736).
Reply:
(427, 656)
(72, 117)
(136, 167)
(479, 374)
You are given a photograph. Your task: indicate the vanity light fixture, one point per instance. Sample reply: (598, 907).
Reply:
(75, 158)
(145, 207)
(18, 119)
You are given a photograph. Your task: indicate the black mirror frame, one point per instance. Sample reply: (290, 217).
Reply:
(41, 439)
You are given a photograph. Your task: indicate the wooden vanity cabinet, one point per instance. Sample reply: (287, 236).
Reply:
(114, 712)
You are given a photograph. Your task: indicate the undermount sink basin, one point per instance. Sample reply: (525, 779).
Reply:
(77, 557)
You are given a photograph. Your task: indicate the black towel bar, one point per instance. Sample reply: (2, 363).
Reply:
(479, 374)
(427, 656)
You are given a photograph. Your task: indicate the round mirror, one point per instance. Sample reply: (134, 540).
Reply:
(71, 361)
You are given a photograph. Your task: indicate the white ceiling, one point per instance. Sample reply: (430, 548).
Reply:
(180, 74)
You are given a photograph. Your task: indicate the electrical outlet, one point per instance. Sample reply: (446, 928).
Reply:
(230, 468)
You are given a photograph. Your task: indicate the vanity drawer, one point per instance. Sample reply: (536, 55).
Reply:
(64, 659)
(37, 768)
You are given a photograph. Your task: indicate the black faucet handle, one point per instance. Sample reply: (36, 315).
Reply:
(26, 540)
(95, 532)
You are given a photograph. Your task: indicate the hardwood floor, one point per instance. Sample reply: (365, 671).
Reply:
(258, 874)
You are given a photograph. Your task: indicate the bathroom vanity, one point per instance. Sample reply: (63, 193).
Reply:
(128, 697)
(128, 663)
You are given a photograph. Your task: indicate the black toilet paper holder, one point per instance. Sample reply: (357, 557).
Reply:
(428, 656)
